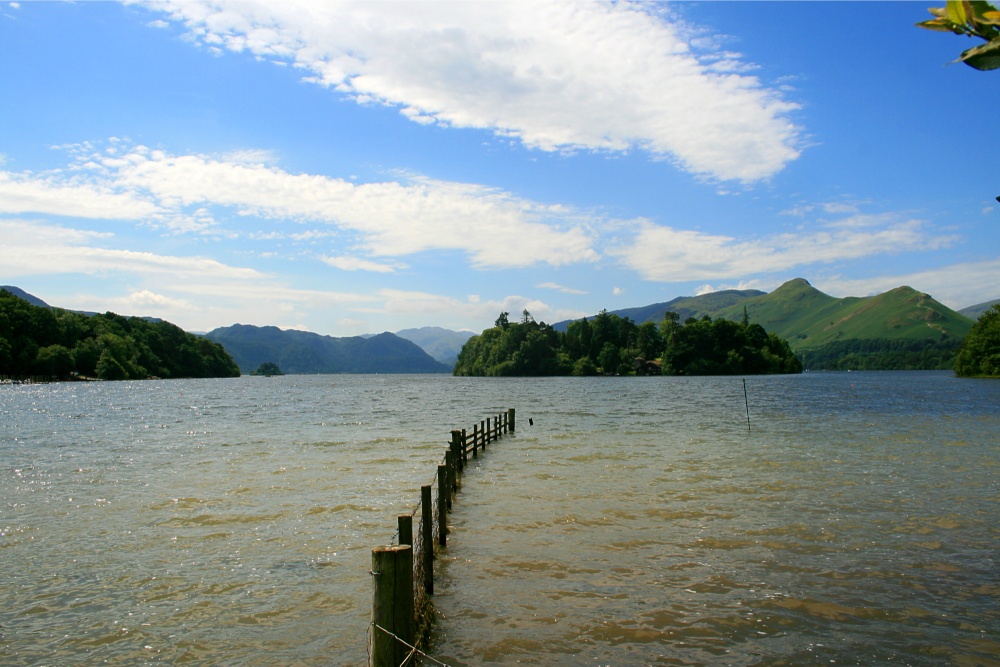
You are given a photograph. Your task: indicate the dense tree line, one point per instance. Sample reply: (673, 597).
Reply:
(882, 354)
(55, 343)
(980, 352)
(612, 345)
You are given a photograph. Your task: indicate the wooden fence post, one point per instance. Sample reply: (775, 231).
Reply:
(510, 419)
(449, 478)
(459, 447)
(442, 506)
(404, 522)
(427, 537)
(392, 605)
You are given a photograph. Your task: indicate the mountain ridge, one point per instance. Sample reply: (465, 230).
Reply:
(304, 352)
(808, 318)
(973, 312)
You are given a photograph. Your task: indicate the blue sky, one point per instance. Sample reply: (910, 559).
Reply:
(353, 168)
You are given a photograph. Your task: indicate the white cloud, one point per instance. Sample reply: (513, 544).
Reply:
(61, 194)
(196, 293)
(190, 193)
(32, 248)
(559, 288)
(347, 263)
(136, 301)
(956, 286)
(764, 286)
(455, 313)
(601, 75)
(666, 254)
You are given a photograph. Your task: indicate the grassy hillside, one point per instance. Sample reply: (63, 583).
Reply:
(810, 319)
(899, 329)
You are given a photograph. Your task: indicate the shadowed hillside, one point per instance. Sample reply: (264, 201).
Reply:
(303, 352)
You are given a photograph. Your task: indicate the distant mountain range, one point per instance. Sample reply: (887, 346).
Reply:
(685, 306)
(21, 294)
(973, 312)
(302, 352)
(809, 319)
(442, 344)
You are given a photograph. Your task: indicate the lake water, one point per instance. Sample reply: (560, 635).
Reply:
(637, 521)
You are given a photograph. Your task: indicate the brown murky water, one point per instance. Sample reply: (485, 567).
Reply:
(637, 521)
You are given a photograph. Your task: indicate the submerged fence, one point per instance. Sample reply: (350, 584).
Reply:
(403, 573)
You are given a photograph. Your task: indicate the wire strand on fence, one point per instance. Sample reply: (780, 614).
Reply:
(413, 649)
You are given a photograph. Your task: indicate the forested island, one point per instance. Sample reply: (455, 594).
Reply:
(52, 343)
(612, 345)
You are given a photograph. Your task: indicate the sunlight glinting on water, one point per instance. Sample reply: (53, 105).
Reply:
(636, 521)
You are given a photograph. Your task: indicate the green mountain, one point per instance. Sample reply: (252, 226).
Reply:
(810, 319)
(899, 329)
(303, 352)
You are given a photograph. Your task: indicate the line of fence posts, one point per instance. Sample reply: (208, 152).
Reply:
(403, 574)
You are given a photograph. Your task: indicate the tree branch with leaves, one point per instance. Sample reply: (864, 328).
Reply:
(972, 19)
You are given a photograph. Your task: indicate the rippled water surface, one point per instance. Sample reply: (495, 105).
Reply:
(636, 521)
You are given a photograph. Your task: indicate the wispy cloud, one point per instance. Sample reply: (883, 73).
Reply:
(33, 248)
(193, 193)
(559, 288)
(63, 195)
(666, 254)
(347, 263)
(603, 76)
(956, 285)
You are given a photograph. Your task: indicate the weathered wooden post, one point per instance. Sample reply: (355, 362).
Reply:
(510, 419)
(459, 447)
(392, 605)
(482, 432)
(449, 477)
(442, 506)
(427, 537)
(404, 523)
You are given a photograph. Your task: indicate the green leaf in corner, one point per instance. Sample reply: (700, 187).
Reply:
(941, 25)
(956, 11)
(983, 57)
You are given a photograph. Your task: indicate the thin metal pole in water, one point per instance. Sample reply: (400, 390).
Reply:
(747, 402)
